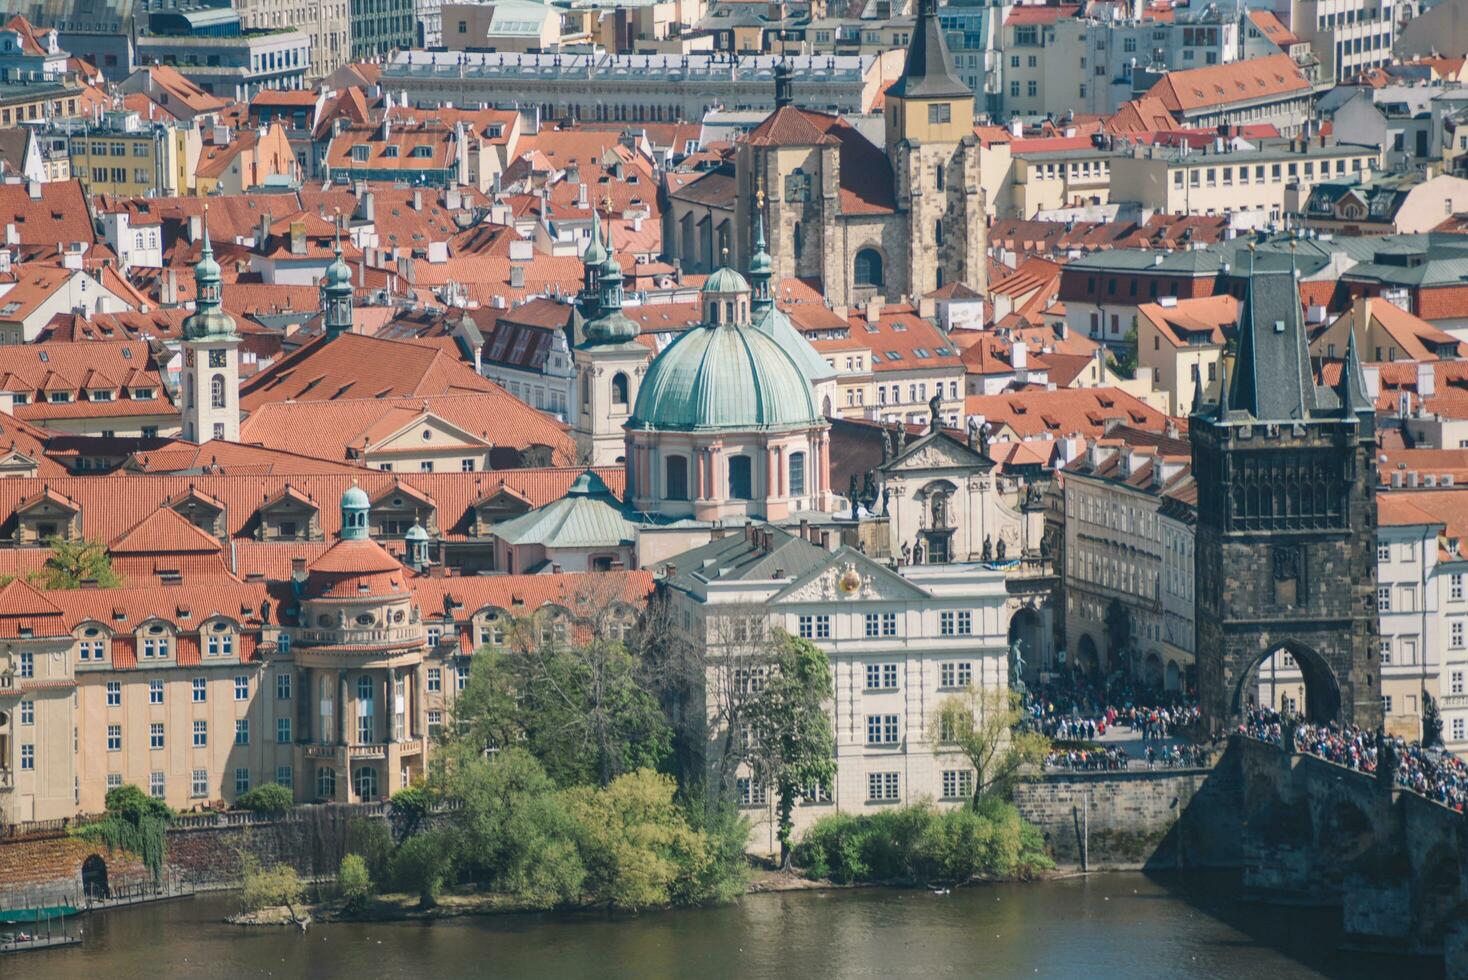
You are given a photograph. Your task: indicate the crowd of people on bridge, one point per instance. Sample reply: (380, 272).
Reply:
(1084, 713)
(1432, 773)
(1110, 758)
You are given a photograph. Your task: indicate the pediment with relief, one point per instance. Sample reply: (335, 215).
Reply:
(936, 453)
(850, 577)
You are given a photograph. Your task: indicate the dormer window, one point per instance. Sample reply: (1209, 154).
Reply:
(59, 397)
(389, 151)
(359, 153)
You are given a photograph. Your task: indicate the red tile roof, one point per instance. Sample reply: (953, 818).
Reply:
(1064, 412)
(866, 173)
(1221, 85)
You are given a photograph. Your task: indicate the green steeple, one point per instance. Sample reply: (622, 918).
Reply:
(589, 298)
(611, 326)
(208, 321)
(761, 266)
(336, 294)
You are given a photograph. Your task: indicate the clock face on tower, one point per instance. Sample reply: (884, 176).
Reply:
(217, 358)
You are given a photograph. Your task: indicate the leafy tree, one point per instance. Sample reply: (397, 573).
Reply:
(981, 724)
(263, 887)
(410, 806)
(1432, 721)
(355, 882)
(135, 823)
(372, 839)
(567, 687)
(423, 863)
(1124, 357)
(271, 799)
(792, 744)
(73, 562)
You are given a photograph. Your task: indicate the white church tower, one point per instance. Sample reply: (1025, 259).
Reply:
(211, 370)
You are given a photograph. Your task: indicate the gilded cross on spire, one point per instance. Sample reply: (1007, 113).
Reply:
(759, 193)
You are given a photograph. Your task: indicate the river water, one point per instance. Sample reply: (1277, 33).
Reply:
(1112, 925)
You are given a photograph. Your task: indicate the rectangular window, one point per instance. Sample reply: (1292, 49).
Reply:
(155, 692)
(155, 785)
(882, 787)
(200, 689)
(201, 734)
(958, 784)
(1455, 631)
(823, 627)
(1455, 682)
(965, 622)
(889, 624)
(199, 784)
(956, 674)
(1383, 598)
(1383, 553)
(1459, 730)
(241, 781)
(435, 723)
(283, 687)
(155, 735)
(114, 738)
(881, 676)
(435, 679)
(806, 627)
(242, 731)
(939, 114)
(461, 677)
(283, 731)
(114, 694)
(882, 729)
(27, 665)
(1455, 587)
(947, 624)
(750, 793)
(1386, 704)
(873, 625)
(285, 776)
(114, 780)
(28, 712)
(242, 688)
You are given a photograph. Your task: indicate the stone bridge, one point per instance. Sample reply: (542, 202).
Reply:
(1319, 833)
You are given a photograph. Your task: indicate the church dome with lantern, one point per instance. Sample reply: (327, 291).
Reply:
(726, 423)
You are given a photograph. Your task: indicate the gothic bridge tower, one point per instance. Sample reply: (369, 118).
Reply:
(1286, 537)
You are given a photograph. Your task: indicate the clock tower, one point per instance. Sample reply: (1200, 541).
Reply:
(211, 370)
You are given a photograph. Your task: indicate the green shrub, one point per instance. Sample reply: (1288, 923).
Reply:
(271, 799)
(354, 882)
(422, 864)
(921, 843)
(135, 823)
(270, 887)
(372, 839)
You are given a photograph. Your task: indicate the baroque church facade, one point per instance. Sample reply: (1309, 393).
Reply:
(898, 220)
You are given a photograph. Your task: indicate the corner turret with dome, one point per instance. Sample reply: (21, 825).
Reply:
(726, 423)
(336, 293)
(211, 373)
(358, 650)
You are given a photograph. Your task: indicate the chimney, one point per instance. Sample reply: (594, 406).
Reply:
(263, 235)
(12, 236)
(196, 229)
(221, 136)
(1372, 375)
(517, 277)
(417, 199)
(1019, 356)
(874, 309)
(33, 188)
(1016, 127)
(168, 292)
(298, 238)
(1426, 381)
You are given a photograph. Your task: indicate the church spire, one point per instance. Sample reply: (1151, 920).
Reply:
(336, 293)
(1355, 399)
(208, 320)
(928, 72)
(1272, 377)
(761, 266)
(611, 325)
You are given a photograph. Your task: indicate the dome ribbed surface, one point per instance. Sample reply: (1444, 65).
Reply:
(724, 377)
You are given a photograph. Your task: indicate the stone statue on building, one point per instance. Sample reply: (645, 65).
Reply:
(988, 552)
(920, 552)
(999, 549)
(851, 496)
(869, 492)
(935, 409)
(973, 431)
(886, 501)
(906, 553)
(901, 438)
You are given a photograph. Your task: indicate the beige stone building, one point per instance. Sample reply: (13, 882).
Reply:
(327, 22)
(1182, 341)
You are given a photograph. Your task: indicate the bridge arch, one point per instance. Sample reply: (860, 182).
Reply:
(1322, 691)
(1438, 885)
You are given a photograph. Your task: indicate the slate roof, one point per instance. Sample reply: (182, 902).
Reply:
(588, 516)
(753, 556)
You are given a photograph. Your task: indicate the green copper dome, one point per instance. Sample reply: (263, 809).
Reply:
(726, 280)
(338, 275)
(724, 377)
(208, 321)
(595, 253)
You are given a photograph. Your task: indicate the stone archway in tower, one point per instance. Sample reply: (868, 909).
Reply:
(1307, 668)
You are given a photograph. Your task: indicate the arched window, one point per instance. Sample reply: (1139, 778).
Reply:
(364, 782)
(797, 474)
(796, 240)
(741, 485)
(868, 267)
(326, 783)
(675, 487)
(938, 177)
(619, 389)
(216, 391)
(938, 232)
